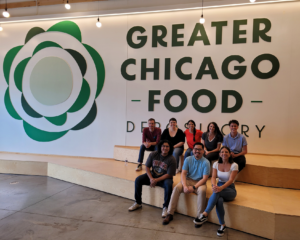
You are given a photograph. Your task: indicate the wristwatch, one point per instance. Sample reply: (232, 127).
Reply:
(194, 187)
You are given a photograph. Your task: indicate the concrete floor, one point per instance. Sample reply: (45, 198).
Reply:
(40, 208)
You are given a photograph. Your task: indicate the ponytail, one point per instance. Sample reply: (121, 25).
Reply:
(194, 129)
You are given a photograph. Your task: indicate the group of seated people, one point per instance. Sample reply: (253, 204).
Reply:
(162, 163)
(212, 140)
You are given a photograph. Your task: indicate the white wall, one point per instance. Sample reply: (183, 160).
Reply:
(279, 111)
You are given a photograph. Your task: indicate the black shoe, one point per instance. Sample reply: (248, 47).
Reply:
(221, 231)
(198, 226)
(201, 220)
(167, 219)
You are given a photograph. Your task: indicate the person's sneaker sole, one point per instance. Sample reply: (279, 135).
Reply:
(134, 209)
(166, 223)
(199, 223)
(221, 234)
(138, 169)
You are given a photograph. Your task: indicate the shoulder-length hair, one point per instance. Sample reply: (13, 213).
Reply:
(217, 130)
(161, 143)
(230, 160)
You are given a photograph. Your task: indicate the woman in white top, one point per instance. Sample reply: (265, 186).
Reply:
(226, 170)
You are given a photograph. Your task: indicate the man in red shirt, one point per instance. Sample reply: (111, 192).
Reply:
(151, 137)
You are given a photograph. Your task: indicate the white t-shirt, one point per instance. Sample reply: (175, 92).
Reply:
(224, 176)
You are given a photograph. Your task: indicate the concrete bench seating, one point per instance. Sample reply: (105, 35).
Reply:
(264, 170)
(272, 213)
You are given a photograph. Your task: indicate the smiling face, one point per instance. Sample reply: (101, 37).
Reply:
(191, 126)
(212, 128)
(233, 128)
(198, 151)
(172, 124)
(165, 148)
(151, 125)
(224, 154)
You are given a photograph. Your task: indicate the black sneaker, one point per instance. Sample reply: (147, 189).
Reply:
(221, 231)
(201, 220)
(198, 226)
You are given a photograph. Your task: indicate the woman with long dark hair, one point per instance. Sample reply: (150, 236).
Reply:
(192, 135)
(226, 170)
(212, 140)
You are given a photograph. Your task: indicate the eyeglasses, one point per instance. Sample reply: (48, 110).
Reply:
(198, 149)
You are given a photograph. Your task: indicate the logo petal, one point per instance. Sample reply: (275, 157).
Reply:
(82, 98)
(33, 32)
(88, 119)
(40, 135)
(58, 120)
(79, 59)
(68, 27)
(28, 109)
(9, 107)
(9, 58)
(99, 66)
(19, 71)
(45, 45)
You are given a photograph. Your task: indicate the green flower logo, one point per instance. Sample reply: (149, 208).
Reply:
(53, 81)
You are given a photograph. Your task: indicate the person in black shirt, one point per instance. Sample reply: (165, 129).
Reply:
(160, 169)
(176, 137)
(212, 140)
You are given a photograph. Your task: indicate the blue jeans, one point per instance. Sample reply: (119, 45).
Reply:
(188, 152)
(177, 152)
(141, 180)
(142, 151)
(217, 199)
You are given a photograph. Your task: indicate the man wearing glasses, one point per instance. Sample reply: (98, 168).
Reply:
(195, 173)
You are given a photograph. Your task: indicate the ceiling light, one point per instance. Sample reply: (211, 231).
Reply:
(6, 13)
(202, 19)
(98, 23)
(67, 5)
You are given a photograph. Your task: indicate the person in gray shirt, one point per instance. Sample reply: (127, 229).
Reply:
(160, 169)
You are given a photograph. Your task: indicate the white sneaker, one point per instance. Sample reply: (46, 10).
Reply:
(164, 212)
(139, 167)
(134, 207)
(221, 231)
